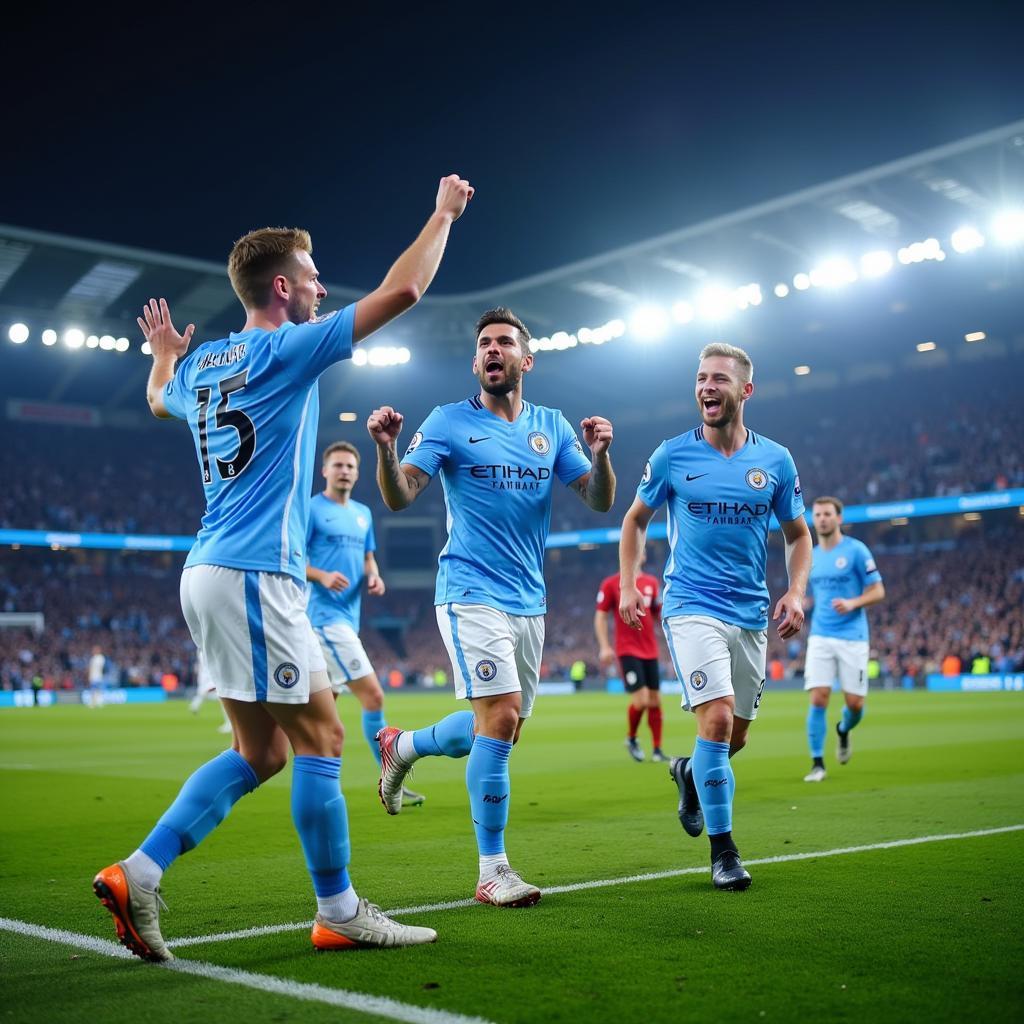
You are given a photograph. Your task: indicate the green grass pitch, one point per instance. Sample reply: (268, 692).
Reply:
(929, 932)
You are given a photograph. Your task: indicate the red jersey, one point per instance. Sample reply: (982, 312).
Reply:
(642, 642)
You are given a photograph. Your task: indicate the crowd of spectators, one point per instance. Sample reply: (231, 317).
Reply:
(961, 599)
(874, 441)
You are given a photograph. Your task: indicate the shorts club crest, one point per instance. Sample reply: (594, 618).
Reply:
(286, 675)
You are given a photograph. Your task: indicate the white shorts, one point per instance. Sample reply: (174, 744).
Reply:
(492, 652)
(716, 659)
(253, 634)
(343, 651)
(829, 660)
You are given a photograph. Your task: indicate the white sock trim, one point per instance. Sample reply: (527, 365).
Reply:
(340, 907)
(144, 870)
(405, 748)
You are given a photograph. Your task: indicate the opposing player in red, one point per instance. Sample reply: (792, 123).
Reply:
(637, 652)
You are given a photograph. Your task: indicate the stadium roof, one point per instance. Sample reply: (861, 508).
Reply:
(48, 280)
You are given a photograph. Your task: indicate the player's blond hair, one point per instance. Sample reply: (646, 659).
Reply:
(341, 446)
(742, 360)
(260, 256)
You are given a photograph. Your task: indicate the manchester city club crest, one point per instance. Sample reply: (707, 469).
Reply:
(757, 478)
(414, 442)
(841, 562)
(286, 675)
(698, 680)
(539, 442)
(486, 670)
(647, 474)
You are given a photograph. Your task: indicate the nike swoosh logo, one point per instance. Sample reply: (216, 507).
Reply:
(696, 476)
(477, 440)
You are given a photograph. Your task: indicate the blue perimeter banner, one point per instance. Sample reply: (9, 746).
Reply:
(113, 695)
(976, 684)
(916, 508)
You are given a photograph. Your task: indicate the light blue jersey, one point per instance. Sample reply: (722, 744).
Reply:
(497, 478)
(719, 513)
(845, 571)
(252, 403)
(338, 539)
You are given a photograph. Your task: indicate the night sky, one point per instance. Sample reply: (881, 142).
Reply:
(583, 131)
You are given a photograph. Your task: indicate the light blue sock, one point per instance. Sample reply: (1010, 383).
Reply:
(489, 788)
(715, 783)
(321, 819)
(201, 805)
(451, 737)
(816, 728)
(850, 718)
(373, 722)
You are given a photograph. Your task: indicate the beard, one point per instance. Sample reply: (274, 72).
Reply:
(513, 375)
(299, 311)
(727, 410)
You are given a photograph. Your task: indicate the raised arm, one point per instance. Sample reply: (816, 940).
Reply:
(631, 543)
(789, 611)
(168, 347)
(399, 485)
(597, 488)
(412, 272)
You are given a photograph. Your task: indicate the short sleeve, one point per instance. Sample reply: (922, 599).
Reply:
(868, 568)
(430, 445)
(571, 462)
(176, 393)
(306, 350)
(788, 503)
(606, 600)
(654, 485)
(371, 539)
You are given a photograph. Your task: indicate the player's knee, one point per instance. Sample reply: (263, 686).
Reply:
(716, 723)
(373, 697)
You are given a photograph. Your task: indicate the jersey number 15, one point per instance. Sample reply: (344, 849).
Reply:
(226, 417)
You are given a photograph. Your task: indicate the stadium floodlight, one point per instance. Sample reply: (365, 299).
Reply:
(1008, 226)
(781, 290)
(107, 343)
(647, 323)
(682, 312)
(975, 336)
(748, 295)
(74, 338)
(49, 336)
(347, 417)
(801, 282)
(92, 341)
(926, 346)
(359, 357)
(534, 344)
(146, 349)
(18, 333)
(876, 263)
(562, 340)
(966, 239)
(403, 355)
(715, 303)
(833, 273)
(122, 344)
(801, 371)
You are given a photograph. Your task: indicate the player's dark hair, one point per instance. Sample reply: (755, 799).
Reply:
(341, 446)
(260, 256)
(504, 315)
(827, 499)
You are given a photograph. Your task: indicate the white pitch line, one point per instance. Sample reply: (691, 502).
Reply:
(272, 929)
(379, 1006)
